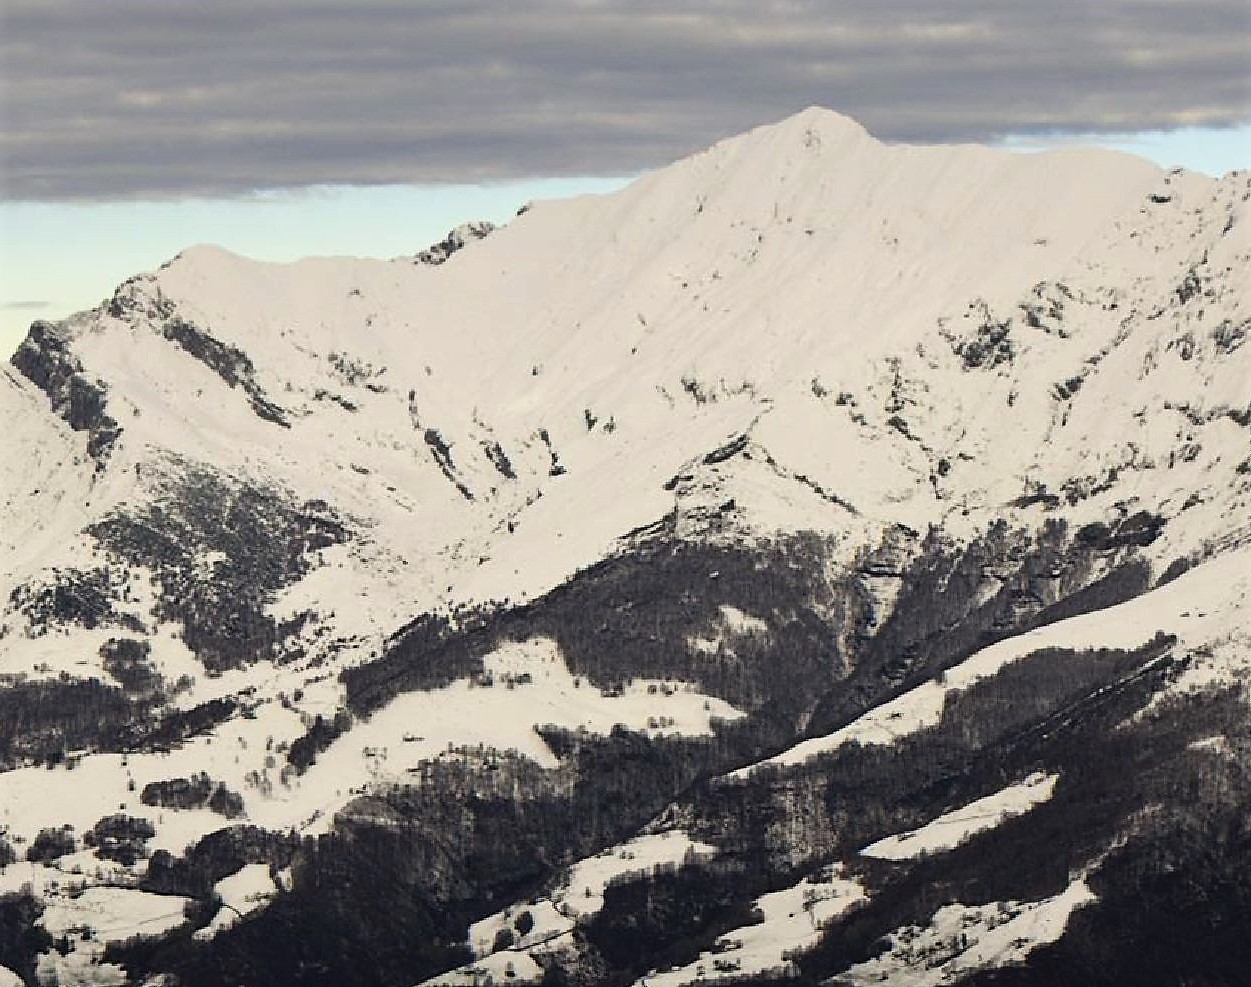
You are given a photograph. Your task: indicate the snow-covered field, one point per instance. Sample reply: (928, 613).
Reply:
(791, 920)
(517, 934)
(242, 893)
(531, 687)
(91, 918)
(964, 938)
(952, 828)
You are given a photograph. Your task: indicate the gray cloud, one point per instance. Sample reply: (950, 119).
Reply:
(173, 97)
(24, 305)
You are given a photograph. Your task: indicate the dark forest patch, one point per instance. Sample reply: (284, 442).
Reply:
(86, 597)
(259, 541)
(43, 720)
(942, 615)
(196, 792)
(635, 615)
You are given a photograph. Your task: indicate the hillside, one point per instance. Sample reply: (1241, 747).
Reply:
(821, 559)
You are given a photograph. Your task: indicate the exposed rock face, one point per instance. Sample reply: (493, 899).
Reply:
(45, 358)
(457, 239)
(229, 363)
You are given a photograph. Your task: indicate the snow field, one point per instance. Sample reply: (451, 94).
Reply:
(243, 893)
(505, 967)
(964, 938)
(530, 686)
(802, 283)
(578, 896)
(952, 828)
(91, 918)
(792, 920)
(415, 727)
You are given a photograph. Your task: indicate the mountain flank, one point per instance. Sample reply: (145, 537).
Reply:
(822, 561)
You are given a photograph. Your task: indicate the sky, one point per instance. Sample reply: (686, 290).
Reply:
(283, 128)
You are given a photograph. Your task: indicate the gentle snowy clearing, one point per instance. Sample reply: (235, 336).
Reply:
(964, 938)
(953, 828)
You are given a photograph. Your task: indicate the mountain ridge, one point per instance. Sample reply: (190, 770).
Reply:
(636, 492)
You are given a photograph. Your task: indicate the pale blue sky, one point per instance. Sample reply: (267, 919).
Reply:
(1212, 151)
(59, 257)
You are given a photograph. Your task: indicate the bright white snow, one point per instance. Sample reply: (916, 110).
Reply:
(578, 896)
(953, 828)
(791, 921)
(964, 938)
(243, 893)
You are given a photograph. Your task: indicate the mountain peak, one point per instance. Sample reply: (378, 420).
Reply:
(808, 447)
(823, 118)
(814, 127)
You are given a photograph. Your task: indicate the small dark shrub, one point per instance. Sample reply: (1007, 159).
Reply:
(50, 844)
(120, 837)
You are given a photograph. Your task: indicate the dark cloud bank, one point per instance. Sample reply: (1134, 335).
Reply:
(168, 97)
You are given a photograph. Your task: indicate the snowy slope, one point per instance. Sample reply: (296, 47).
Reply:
(719, 294)
(800, 329)
(1208, 611)
(954, 827)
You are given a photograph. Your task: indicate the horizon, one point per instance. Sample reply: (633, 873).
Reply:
(358, 221)
(278, 129)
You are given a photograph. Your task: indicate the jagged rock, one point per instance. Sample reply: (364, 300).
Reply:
(457, 239)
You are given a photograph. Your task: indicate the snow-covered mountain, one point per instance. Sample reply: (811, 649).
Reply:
(820, 559)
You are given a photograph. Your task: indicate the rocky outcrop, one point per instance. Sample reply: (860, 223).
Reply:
(457, 239)
(230, 363)
(45, 358)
